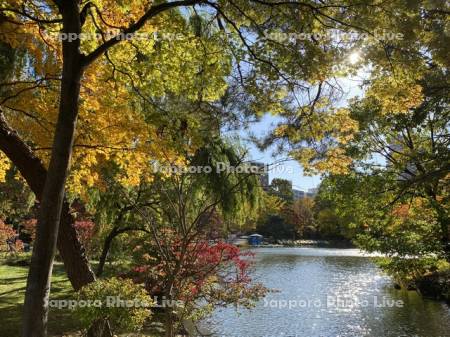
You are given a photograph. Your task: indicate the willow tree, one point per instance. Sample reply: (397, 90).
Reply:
(179, 228)
(79, 89)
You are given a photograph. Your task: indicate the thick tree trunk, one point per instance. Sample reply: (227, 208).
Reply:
(39, 275)
(72, 251)
(32, 170)
(70, 248)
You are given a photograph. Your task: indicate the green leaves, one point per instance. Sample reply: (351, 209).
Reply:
(126, 305)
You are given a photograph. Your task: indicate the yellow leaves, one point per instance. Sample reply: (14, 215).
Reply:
(343, 126)
(281, 130)
(176, 62)
(322, 136)
(133, 165)
(271, 204)
(320, 125)
(83, 174)
(111, 129)
(112, 125)
(147, 257)
(4, 166)
(396, 95)
(121, 13)
(334, 160)
(304, 156)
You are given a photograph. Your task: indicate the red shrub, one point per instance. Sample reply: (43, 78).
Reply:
(85, 231)
(9, 238)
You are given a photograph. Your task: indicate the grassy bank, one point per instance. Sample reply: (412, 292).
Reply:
(13, 277)
(12, 290)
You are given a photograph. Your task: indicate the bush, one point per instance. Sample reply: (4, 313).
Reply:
(17, 260)
(9, 241)
(125, 304)
(198, 276)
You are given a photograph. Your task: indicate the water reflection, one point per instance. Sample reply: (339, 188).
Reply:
(330, 292)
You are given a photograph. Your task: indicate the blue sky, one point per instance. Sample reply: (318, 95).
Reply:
(291, 170)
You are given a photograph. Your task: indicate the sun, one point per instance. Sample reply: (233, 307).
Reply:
(354, 57)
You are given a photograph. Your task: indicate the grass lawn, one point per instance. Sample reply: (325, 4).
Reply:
(61, 321)
(12, 290)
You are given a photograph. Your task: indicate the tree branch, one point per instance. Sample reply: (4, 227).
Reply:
(152, 12)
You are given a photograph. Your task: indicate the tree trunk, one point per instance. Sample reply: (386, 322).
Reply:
(39, 276)
(108, 241)
(106, 247)
(100, 328)
(169, 323)
(72, 252)
(32, 170)
(70, 248)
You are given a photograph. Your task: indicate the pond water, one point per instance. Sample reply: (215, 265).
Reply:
(330, 293)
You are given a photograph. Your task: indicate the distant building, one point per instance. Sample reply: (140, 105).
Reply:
(263, 173)
(255, 239)
(298, 194)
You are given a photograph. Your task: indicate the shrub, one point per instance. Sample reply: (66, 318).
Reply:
(200, 274)
(125, 304)
(29, 228)
(8, 233)
(85, 231)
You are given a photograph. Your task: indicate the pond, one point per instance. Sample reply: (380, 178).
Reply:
(330, 292)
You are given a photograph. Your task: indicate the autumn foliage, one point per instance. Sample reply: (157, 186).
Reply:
(8, 234)
(217, 272)
(85, 231)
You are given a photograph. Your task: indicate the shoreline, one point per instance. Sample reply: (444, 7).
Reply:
(337, 244)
